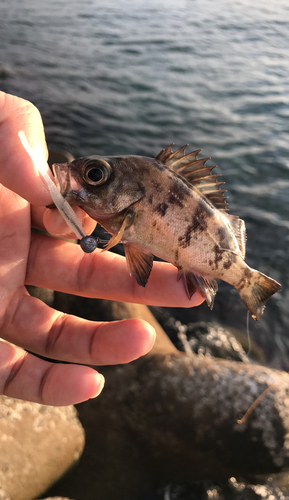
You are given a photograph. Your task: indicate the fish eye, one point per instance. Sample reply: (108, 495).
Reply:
(96, 172)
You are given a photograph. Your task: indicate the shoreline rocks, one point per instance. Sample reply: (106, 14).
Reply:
(172, 417)
(38, 444)
(165, 427)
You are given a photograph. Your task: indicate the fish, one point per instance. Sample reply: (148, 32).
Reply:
(174, 207)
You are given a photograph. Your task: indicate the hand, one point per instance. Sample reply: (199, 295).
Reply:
(35, 259)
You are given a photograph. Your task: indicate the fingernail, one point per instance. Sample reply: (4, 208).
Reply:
(101, 380)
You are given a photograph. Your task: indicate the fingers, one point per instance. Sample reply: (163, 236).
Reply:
(52, 221)
(24, 376)
(63, 266)
(17, 114)
(31, 324)
(56, 225)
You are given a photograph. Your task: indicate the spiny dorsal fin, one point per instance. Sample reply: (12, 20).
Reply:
(239, 230)
(196, 173)
(176, 159)
(164, 154)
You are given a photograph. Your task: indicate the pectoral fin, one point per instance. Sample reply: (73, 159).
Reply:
(139, 263)
(127, 222)
(206, 287)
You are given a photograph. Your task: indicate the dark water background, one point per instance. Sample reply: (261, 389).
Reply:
(132, 77)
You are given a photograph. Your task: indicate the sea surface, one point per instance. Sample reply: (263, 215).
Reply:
(131, 77)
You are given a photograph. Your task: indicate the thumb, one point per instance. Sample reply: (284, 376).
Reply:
(17, 170)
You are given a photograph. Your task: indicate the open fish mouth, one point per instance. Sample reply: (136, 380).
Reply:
(62, 177)
(66, 184)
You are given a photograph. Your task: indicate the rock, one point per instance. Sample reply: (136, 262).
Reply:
(210, 338)
(38, 444)
(183, 412)
(56, 498)
(172, 417)
(3, 494)
(231, 490)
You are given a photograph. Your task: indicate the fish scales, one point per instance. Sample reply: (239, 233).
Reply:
(173, 207)
(171, 234)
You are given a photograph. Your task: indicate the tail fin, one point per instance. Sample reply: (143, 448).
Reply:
(257, 291)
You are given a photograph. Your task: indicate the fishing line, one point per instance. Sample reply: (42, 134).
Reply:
(263, 394)
(255, 403)
(87, 243)
(248, 334)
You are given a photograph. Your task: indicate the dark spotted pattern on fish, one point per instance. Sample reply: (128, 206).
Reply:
(177, 194)
(177, 255)
(246, 279)
(186, 239)
(162, 209)
(192, 229)
(223, 236)
(198, 225)
(232, 259)
(156, 185)
(201, 215)
(218, 255)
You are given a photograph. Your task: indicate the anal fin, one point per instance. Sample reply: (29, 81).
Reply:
(139, 263)
(207, 287)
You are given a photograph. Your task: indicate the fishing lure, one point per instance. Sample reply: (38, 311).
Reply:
(87, 243)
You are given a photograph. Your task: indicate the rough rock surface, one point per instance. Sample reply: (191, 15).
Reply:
(57, 498)
(3, 494)
(172, 417)
(38, 444)
(175, 420)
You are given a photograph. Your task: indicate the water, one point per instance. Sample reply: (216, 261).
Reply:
(132, 77)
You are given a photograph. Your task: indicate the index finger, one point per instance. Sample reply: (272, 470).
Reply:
(62, 266)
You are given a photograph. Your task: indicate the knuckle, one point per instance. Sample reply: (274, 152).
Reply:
(55, 333)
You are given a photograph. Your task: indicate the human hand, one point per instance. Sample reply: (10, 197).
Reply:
(35, 259)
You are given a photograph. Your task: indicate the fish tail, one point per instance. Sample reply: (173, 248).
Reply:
(255, 289)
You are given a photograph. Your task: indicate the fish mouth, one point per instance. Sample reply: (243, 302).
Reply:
(62, 178)
(66, 184)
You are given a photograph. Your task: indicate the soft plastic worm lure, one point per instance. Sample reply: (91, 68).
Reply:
(87, 243)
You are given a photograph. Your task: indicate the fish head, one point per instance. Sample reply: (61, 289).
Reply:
(102, 186)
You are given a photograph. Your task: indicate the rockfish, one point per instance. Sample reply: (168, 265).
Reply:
(173, 207)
